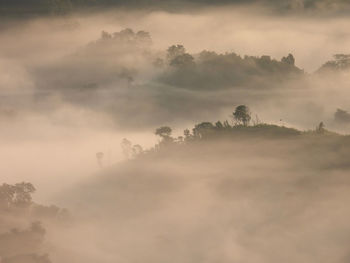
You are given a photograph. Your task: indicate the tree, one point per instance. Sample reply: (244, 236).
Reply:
(320, 128)
(164, 132)
(126, 148)
(144, 37)
(7, 193)
(184, 60)
(23, 193)
(175, 51)
(242, 115)
(187, 133)
(203, 129)
(289, 60)
(18, 195)
(177, 57)
(340, 62)
(105, 35)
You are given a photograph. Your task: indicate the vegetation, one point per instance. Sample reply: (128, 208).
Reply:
(242, 115)
(240, 129)
(18, 195)
(17, 211)
(210, 70)
(339, 63)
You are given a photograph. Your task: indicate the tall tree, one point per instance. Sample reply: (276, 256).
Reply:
(242, 115)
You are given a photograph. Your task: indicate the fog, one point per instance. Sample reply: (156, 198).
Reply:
(74, 86)
(255, 202)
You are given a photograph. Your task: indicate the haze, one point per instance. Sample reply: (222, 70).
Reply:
(84, 86)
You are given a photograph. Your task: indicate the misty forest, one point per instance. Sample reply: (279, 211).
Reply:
(174, 131)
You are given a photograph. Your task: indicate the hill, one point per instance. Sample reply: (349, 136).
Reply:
(226, 194)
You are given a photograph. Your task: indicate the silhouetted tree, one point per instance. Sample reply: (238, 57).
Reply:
(242, 115)
(289, 60)
(320, 128)
(203, 129)
(164, 132)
